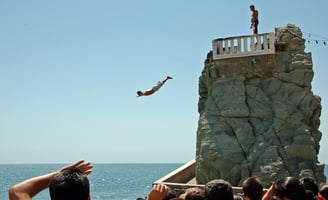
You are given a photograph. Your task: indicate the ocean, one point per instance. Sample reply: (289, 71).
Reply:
(107, 181)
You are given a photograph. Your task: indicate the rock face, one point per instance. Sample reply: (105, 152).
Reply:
(258, 115)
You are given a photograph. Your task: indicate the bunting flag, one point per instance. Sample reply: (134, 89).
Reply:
(316, 38)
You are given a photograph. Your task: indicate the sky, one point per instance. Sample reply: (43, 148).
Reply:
(70, 69)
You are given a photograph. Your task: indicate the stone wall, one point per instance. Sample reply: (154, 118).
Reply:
(258, 115)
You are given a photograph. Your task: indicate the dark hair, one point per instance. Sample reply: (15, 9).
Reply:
(252, 6)
(252, 187)
(195, 193)
(170, 194)
(292, 189)
(310, 184)
(324, 191)
(69, 184)
(139, 92)
(218, 189)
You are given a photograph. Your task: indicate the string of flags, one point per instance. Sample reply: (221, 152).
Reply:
(316, 38)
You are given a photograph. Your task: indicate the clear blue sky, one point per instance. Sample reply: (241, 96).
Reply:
(70, 69)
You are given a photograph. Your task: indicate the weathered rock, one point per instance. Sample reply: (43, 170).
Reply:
(258, 116)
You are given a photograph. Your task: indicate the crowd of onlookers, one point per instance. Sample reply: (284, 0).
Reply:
(71, 183)
(287, 188)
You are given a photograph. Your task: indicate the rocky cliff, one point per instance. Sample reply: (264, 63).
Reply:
(258, 115)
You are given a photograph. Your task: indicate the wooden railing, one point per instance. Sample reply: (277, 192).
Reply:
(184, 177)
(181, 175)
(243, 46)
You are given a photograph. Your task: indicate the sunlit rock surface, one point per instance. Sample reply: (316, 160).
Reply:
(259, 116)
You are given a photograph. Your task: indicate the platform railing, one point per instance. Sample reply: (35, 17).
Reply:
(243, 46)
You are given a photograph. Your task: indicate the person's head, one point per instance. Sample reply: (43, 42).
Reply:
(218, 189)
(139, 93)
(170, 194)
(252, 189)
(70, 184)
(291, 188)
(252, 7)
(310, 184)
(323, 191)
(194, 193)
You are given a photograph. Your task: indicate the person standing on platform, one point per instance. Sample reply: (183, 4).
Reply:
(254, 19)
